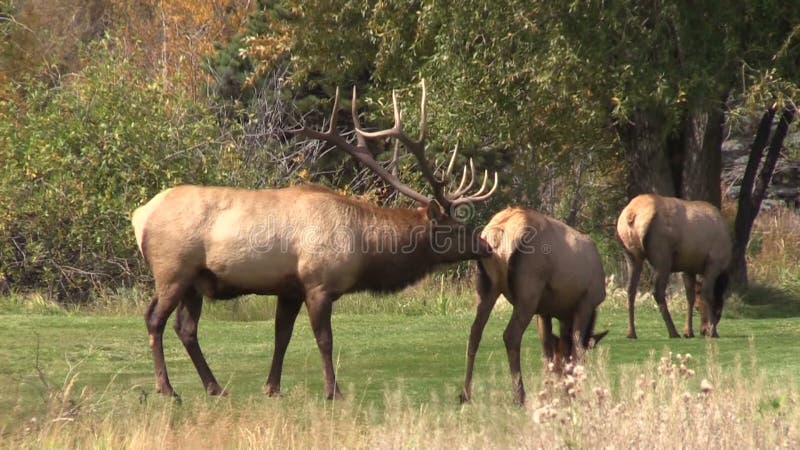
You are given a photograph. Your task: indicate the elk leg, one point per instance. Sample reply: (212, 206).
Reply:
(285, 315)
(520, 318)
(689, 282)
(545, 326)
(186, 322)
(709, 297)
(155, 318)
(567, 340)
(661, 299)
(486, 301)
(320, 306)
(634, 273)
(553, 347)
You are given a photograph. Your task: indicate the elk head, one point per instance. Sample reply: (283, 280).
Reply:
(450, 238)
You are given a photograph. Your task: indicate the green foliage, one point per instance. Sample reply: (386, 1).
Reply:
(493, 87)
(229, 66)
(533, 87)
(670, 55)
(77, 158)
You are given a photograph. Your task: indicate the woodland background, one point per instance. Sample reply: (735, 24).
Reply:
(578, 104)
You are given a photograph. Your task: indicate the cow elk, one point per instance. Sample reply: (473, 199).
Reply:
(542, 266)
(677, 235)
(304, 244)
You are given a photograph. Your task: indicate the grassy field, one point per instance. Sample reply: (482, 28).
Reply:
(84, 377)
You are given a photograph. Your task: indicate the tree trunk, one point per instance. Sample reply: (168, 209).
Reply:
(702, 156)
(577, 197)
(643, 140)
(754, 190)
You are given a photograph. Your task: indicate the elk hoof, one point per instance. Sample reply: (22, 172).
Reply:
(335, 396)
(174, 396)
(272, 391)
(464, 398)
(215, 389)
(632, 335)
(689, 334)
(166, 391)
(709, 333)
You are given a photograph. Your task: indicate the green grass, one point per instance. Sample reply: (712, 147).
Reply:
(412, 342)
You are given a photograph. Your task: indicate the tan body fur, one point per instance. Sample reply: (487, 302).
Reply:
(676, 235)
(305, 244)
(542, 266)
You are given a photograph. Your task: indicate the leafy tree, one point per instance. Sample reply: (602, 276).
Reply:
(545, 88)
(487, 92)
(678, 73)
(670, 70)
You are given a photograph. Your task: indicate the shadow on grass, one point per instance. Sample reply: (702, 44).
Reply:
(766, 302)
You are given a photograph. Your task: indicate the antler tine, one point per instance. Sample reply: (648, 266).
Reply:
(360, 151)
(331, 135)
(488, 194)
(395, 131)
(475, 197)
(416, 147)
(395, 158)
(356, 123)
(423, 117)
(463, 180)
(461, 188)
(483, 185)
(334, 115)
(450, 166)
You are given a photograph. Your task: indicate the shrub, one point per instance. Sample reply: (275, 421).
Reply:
(77, 158)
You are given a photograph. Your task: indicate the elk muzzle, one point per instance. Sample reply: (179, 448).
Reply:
(483, 247)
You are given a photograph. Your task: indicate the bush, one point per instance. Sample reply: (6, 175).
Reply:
(77, 158)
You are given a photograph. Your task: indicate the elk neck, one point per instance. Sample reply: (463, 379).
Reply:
(396, 249)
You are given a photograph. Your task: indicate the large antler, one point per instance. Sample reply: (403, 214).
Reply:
(415, 146)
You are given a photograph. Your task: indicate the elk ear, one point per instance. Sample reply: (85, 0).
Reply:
(596, 338)
(435, 211)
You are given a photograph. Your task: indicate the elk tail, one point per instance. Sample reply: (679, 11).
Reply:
(638, 226)
(138, 221)
(513, 262)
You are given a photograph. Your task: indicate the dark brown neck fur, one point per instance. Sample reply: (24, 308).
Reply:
(397, 251)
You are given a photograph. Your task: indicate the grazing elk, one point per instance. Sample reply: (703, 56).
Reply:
(677, 235)
(305, 244)
(544, 267)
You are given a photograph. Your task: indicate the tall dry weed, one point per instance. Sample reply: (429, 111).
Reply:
(666, 402)
(774, 248)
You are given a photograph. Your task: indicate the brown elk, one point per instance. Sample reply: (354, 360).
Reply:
(305, 244)
(677, 235)
(542, 266)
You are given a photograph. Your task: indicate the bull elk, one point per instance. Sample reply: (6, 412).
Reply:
(305, 244)
(676, 235)
(542, 266)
